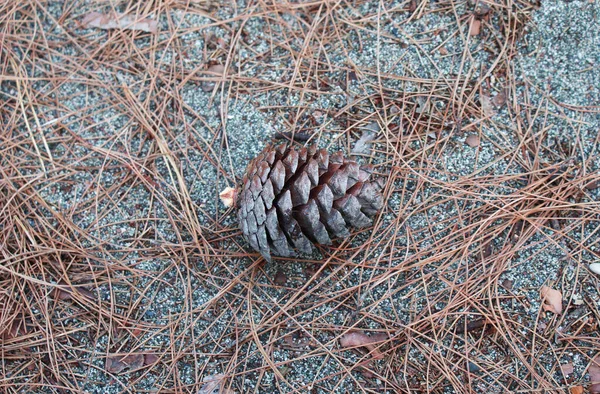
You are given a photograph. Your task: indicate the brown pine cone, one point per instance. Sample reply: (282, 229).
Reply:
(291, 198)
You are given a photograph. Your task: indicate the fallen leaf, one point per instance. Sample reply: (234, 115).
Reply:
(120, 21)
(576, 390)
(134, 361)
(217, 69)
(593, 185)
(150, 358)
(65, 292)
(280, 278)
(552, 300)
(499, 99)
(213, 384)
(507, 284)
(476, 324)
(17, 328)
(228, 196)
(567, 369)
(475, 27)
(472, 140)
(594, 371)
(136, 331)
(363, 143)
(359, 338)
(116, 364)
(486, 105)
(311, 270)
(412, 6)
(481, 10)
(542, 326)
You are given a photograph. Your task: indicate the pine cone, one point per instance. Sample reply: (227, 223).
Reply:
(291, 198)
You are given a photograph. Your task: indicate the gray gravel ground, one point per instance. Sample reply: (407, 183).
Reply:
(558, 54)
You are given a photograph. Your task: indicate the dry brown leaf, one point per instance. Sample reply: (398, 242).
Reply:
(359, 338)
(594, 371)
(214, 385)
(476, 324)
(65, 292)
(481, 10)
(499, 99)
(507, 284)
(17, 328)
(472, 141)
(576, 390)
(150, 359)
(280, 278)
(486, 105)
(475, 27)
(567, 369)
(218, 69)
(412, 6)
(593, 185)
(379, 337)
(552, 300)
(120, 21)
(134, 361)
(289, 340)
(116, 364)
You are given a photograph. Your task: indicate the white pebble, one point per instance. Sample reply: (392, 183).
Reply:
(595, 268)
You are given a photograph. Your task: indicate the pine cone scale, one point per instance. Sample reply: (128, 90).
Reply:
(335, 223)
(278, 177)
(268, 194)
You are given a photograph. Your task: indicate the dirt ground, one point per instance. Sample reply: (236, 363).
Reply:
(121, 271)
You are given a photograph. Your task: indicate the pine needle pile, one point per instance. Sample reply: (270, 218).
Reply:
(461, 260)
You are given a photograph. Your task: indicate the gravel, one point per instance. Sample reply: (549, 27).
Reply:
(558, 54)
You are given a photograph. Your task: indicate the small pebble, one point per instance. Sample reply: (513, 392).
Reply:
(595, 268)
